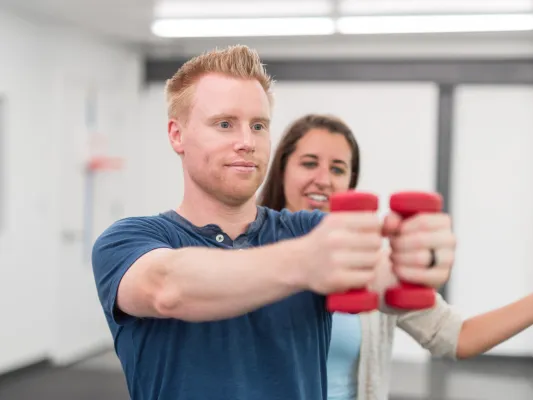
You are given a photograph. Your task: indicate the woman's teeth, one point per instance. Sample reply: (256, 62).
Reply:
(318, 197)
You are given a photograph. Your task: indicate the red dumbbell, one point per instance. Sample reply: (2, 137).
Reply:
(357, 300)
(408, 296)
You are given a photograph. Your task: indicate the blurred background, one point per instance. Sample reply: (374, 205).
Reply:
(439, 94)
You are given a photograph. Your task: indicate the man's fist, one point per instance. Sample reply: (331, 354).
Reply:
(342, 252)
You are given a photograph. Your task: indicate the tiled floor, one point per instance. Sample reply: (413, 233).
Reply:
(101, 378)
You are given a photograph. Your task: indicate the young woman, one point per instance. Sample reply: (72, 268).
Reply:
(318, 156)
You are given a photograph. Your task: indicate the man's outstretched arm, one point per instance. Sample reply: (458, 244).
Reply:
(204, 284)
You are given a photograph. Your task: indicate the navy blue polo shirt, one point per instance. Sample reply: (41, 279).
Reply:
(277, 352)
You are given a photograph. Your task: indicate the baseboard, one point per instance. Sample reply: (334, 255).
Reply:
(490, 358)
(70, 357)
(88, 355)
(35, 366)
(496, 358)
(495, 365)
(69, 353)
(43, 364)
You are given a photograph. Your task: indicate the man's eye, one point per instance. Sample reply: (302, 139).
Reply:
(224, 124)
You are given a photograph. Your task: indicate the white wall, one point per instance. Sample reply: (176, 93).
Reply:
(492, 197)
(492, 175)
(447, 46)
(47, 296)
(45, 312)
(156, 164)
(395, 125)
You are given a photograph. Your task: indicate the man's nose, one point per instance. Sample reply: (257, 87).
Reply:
(246, 140)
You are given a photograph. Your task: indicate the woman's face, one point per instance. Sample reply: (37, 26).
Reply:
(319, 166)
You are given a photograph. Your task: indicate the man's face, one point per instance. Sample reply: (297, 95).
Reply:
(225, 144)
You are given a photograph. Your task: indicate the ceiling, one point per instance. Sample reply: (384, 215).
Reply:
(129, 21)
(124, 20)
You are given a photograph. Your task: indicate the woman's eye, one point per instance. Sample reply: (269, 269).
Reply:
(309, 164)
(338, 171)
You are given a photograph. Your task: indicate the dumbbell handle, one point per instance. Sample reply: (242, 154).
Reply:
(409, 296)
(356, 300)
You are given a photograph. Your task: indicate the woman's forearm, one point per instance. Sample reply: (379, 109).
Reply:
(485, 331)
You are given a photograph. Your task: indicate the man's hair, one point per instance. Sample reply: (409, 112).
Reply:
(234, 61)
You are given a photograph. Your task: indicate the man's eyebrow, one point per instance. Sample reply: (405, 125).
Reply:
(264, 120)
(222, 116)
(231, 117)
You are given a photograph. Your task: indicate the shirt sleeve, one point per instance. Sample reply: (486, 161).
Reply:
(436, 329)
(302, 222)
(115, 251)
(312, 219)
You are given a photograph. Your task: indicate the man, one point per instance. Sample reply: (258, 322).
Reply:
(192, 319)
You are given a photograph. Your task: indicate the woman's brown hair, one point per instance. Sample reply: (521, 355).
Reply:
(272, 194)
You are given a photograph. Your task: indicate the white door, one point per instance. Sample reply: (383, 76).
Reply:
(87, 201)
(395, 125)
(492, 197)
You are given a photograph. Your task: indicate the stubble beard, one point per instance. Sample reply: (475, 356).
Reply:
(231, 192)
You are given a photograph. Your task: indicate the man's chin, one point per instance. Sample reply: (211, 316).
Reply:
(241, 194)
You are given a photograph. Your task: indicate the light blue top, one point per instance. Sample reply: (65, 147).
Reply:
(343, 356)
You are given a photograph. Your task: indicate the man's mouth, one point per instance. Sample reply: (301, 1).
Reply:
(245, 164)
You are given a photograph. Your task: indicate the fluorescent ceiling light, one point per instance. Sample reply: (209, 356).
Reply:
(435, 24)
(236, 9)
(190, 28)
(370, 7)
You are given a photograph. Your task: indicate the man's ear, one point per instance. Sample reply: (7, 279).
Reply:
(175, 135)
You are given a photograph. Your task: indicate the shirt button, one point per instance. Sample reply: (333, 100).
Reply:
(220, 238)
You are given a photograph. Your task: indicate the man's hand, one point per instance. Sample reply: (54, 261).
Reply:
(342, 252)
(413, 241)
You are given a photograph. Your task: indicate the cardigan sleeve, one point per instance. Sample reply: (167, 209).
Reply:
(436, 329)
